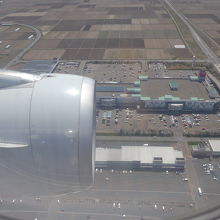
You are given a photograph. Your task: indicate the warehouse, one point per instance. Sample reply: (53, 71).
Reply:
(140, 158)
(215, 146)
(201, 150)
(206, 149)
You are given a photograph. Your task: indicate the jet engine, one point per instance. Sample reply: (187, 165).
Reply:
(47, 132)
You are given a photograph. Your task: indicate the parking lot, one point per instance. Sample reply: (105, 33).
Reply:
(129, 72)
(160, 70)
(127, 120)
(209, 175)
(116, 72)
(67, 67)
(106, 71)
(131, 120)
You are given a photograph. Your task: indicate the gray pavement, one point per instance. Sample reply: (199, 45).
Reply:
(136, 192)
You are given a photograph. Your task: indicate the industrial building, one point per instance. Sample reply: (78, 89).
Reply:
(201, 150)
(215, 146)
(206, 149)
(140, 158)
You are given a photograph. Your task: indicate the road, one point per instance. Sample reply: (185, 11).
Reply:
(202, 44)
(191, 174)
(37, 37)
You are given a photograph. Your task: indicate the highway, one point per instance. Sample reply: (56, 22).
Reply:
(202, 44)
(37, 37)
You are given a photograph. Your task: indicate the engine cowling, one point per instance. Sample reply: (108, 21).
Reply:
(47, 134)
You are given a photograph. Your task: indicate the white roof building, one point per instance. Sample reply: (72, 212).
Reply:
(215, 145)
(180, 46)
(145, 155)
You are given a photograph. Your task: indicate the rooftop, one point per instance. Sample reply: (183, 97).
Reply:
(169, 97)
(195, 78)
(145, 98)
(144, 154)
(201, 147)
(143, 77)
(135, 95)
(133, 90)
(137, 83)
(215, 145)
(173, 85)
(160, 88)
(110, 89)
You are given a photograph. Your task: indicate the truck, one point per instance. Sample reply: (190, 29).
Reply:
(200, 191)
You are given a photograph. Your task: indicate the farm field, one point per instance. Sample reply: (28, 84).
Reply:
(102, 30)
(205, 15)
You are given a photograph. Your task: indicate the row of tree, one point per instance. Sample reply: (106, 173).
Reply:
(150, 132)
(202, 134)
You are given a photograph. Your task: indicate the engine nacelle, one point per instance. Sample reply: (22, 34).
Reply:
(47, 134)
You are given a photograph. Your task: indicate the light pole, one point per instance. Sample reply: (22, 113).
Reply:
(193, 61)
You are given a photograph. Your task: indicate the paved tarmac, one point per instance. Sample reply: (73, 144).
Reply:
(115, 195)
(136, 192)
